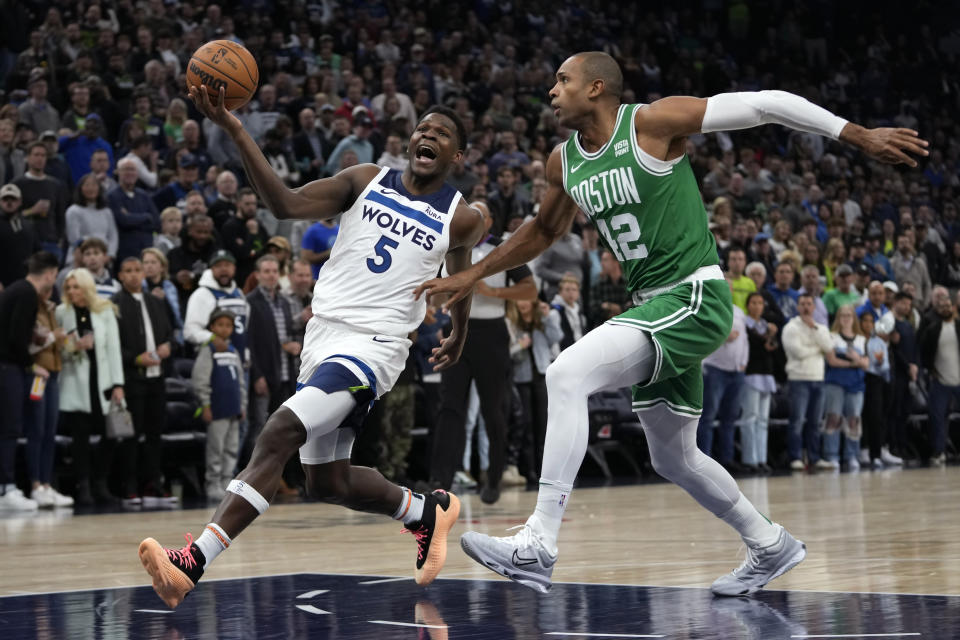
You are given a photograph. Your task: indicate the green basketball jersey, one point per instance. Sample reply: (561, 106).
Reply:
(649, 212)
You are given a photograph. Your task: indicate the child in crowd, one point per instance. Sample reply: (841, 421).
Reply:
(218, 382)
(171, 223)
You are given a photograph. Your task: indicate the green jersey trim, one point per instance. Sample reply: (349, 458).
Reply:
(653, 166)
(599, 152)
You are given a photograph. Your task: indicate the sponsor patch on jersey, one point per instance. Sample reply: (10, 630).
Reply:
(621, 148)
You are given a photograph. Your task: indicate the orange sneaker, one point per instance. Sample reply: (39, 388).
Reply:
(175, 572)
(440, 513)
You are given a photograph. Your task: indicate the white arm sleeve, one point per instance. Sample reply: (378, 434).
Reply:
(731, 111)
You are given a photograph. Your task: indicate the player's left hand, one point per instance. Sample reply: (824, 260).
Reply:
(893, 145)
(447, 354)
(459, 286)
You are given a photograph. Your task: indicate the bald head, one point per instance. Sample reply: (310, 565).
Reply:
(597, 65)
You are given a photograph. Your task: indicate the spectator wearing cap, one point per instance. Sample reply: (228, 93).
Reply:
(45, 199)
(843, 293)
(37, 112)
(243, 235)
(18, 240)
(861, 280)
(217, 290)
(79, 148)
(908, 266)
(309, 146)
(358, 142)
(189, 261)
(146, 344)
(219, 383)
(175, 193)
(134, 212)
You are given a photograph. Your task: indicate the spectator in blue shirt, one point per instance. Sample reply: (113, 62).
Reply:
(783, 294)
(874, 257)
(78, 149)
(317, 243)
(357, 142)
(876, 296)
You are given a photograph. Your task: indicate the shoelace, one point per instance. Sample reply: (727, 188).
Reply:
(421, 536)
(183, 556)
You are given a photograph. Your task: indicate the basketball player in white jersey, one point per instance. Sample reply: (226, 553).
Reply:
(395, 232)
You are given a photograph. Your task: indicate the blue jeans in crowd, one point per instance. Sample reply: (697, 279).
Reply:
(40, 427)
(754, 426)
(848, 405)
(938, 406)
(721, 400)
(806, 410)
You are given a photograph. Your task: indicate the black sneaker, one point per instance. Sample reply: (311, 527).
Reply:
(175, 572)
(440, 512)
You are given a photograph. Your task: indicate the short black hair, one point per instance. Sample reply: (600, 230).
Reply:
(598, 65)
(804, 295)
(41, 262)
(458, 123)
(129, 259)
(902, 295)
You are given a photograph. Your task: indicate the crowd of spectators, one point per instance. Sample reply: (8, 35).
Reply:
(109, 172)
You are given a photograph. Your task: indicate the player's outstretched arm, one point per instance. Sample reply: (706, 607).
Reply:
(557, 212)
(681, 116)
(466, 231)
(317, 200)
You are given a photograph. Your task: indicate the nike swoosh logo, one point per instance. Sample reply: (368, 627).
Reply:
(520, 562)
(574, 169)
(388, 192)
(375, 339)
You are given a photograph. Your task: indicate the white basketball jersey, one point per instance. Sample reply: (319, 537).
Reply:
(390, 241)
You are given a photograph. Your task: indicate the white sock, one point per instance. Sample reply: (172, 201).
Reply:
(212, 541)
(552, 501)
(411, 507)
(754, 527)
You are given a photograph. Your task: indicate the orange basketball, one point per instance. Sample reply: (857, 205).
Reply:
(224, 63)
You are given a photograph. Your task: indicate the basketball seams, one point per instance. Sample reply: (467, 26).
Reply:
(229, 45)
(221, 72)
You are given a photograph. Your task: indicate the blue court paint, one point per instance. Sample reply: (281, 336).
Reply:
(353, 607)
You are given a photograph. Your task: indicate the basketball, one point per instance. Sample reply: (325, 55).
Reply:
(224, 63)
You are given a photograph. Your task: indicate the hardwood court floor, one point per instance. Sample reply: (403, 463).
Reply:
(891, 531)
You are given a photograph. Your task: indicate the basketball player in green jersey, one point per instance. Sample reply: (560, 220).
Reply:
(624, 166)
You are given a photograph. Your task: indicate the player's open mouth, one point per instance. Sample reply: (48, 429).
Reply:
(425, 154)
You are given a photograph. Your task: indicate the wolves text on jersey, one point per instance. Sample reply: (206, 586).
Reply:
(394, 222)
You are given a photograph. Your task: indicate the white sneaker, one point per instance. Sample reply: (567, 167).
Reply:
(464, 479)
(938, 461)
(888, 458)
(522, 557)
(878, 464)
(14, 500)
(826, 465)
(797, 465)
(43, 497)
(864, 456)
(853, 465)
(59, 500)
(511, 477)
(761, 566)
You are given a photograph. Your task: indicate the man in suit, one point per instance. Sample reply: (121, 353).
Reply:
(309, 146)
(145, 345)
(272, 345)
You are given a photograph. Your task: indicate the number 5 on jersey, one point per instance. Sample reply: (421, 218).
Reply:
(627, 232)
(383, 259)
